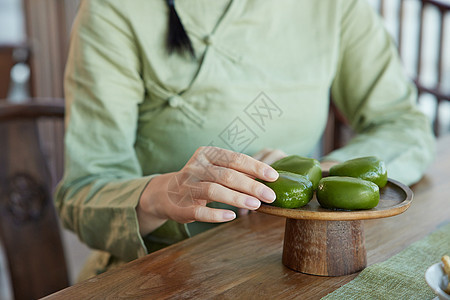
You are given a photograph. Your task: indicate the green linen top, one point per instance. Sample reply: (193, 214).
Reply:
(261, 77)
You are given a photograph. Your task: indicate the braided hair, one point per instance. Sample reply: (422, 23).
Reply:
(177, 39)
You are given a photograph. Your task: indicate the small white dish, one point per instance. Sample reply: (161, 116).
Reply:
(437, 280)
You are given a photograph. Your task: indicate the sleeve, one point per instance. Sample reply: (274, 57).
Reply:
(103, 179)
(372, 91)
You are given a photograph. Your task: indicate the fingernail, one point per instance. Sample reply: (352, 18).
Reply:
(271, 174)
(268, 195)
(252, 203)
(229, 215)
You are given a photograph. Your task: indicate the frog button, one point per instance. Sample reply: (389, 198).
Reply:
(209, 40)
(175, 101)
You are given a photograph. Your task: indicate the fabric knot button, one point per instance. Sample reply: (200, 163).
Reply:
(209, 40)
(175, 101)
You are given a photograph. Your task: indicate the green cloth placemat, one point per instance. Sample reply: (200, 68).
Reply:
(403, 275)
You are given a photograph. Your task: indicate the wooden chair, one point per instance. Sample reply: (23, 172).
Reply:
(435, 89)
(10, 55)
(29, 227)
(338, 132)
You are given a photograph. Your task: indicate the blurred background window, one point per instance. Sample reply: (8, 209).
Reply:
(421, 31)
(403, 19)
(14, 53)
(12, 24)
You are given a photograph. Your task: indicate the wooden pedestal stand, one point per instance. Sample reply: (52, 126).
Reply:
(324, 242)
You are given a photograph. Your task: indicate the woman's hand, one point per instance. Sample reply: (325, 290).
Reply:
(269, 156)
(326, 165)
(212, 174)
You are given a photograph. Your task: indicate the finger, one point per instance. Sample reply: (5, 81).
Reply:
(239, 182)
(219, 193)
(198, 212)
(259, 155)
(240, 162)
(273, 156)
(213, 215)
(326, 165)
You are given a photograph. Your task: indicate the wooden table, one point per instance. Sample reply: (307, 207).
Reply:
(242, 259)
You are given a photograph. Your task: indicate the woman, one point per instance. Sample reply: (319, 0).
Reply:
(157, 115)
